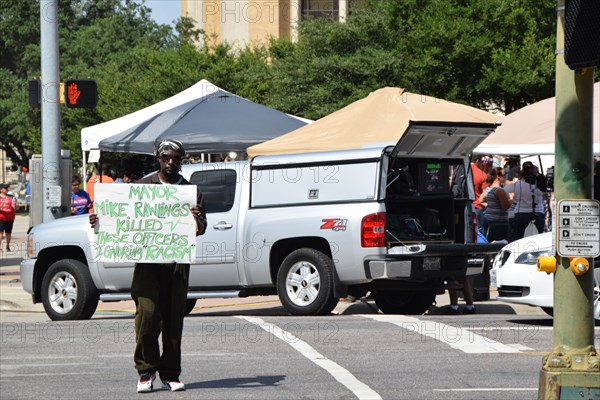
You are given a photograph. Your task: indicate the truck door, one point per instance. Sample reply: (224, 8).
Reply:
(216, 250)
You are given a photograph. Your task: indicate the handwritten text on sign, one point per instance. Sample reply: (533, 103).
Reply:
(145, 223)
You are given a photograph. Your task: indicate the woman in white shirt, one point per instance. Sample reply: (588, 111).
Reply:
(528, 199)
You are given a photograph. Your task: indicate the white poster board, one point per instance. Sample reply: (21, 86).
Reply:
(145, 223)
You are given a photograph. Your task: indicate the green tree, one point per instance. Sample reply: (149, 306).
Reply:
(333, 64)
(494, 53)
(92, 34)
(490, 54)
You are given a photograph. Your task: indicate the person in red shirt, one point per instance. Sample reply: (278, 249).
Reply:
(8, 209)
(480, 169)
(97, 178)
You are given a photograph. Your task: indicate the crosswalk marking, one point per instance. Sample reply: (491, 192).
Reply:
(460, 338)
(342, 375)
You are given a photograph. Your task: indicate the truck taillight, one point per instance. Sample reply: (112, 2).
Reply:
(372, 230)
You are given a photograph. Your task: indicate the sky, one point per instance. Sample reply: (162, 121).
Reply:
(165, 11)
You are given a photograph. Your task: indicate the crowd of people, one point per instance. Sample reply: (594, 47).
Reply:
(512, 201)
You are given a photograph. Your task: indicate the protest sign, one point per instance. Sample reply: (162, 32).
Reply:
(145, 223)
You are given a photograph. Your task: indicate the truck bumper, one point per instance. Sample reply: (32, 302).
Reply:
(398, 269)
(431, 261)
(387, 269)
(27, 268)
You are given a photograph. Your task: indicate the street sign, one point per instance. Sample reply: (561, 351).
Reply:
(578, 225)
(53, 196)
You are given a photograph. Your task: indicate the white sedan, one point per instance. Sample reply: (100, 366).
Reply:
(518, 280)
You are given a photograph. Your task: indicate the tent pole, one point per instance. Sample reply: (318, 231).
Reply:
(84, 166)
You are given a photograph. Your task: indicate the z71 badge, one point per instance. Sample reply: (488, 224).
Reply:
(335, 224)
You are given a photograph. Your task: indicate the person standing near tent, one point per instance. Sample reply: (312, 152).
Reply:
(80, 200)
(105, 177)
(8, 210)
(479, 169)
(497, 205)
(529, 198)
(160, 290)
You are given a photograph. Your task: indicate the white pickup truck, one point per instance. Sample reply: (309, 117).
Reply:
(394, 220)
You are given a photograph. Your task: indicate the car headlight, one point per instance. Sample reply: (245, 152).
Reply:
(501, 258)
(530, 257)
(30, 245)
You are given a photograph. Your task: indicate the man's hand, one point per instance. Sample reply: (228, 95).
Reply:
(199, 216)
(93, 220)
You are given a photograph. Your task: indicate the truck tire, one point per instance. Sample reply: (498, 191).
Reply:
(407, 302)
(68, 292)
(305, 283)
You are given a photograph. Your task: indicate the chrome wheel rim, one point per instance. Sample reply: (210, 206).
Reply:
(302, 283)
(62, 292)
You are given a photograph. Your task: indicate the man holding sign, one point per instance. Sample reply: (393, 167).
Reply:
(150, 229)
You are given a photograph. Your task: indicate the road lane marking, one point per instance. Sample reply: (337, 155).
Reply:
(342, 375)
(487, 390)
(6, 376)
(463, 339)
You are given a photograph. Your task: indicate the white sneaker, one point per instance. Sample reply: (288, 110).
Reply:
(173, 386)
(145, 380)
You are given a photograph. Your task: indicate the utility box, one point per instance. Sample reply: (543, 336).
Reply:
(38, 199)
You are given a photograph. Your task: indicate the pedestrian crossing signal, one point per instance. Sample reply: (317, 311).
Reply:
(81, 93)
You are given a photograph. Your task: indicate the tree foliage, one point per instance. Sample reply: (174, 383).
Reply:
(495, 54)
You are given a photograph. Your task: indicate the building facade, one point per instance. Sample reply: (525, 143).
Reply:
(242, 22)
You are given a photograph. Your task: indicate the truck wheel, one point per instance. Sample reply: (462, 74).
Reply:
(408, 302)
(305, 283)
(68, 292)
(189, 306)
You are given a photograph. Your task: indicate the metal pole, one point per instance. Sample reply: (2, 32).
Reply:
(3, 167)
(50, 104)
(574, 363)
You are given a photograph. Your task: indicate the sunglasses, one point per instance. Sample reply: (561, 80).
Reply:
(166, 158)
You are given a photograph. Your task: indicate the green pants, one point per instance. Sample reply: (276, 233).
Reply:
(160, 295)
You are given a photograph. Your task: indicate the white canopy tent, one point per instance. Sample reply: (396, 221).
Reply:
(92, 135)
(258, 124)
(531, 130)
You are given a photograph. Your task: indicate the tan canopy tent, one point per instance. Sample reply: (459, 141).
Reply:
(384, 116)
(531, 130)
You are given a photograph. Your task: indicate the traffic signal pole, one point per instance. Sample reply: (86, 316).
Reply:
(50, 105)
(572, 369)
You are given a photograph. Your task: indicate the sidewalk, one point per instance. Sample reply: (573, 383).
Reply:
(18, 244)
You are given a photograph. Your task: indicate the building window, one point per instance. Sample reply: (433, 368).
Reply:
(320, 8)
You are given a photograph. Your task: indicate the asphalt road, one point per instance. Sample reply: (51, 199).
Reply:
(256, 355)
(251, 349)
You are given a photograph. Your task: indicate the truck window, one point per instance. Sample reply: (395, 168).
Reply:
(218, 189)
